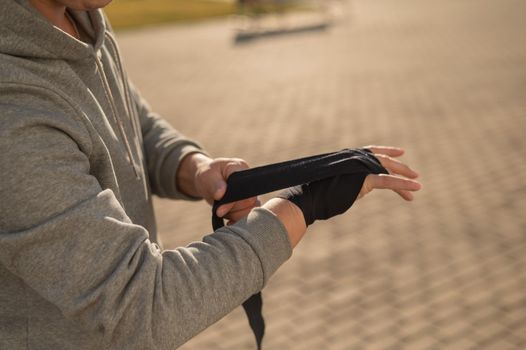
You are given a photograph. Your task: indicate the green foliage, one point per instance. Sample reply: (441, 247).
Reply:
(138, 13)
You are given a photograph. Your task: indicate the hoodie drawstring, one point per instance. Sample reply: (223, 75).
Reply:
(109, 96)
(132, 112)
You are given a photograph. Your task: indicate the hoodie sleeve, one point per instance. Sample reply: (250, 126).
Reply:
(72, 242)
(164, 148)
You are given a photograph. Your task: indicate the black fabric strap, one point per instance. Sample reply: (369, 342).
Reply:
(260, 180)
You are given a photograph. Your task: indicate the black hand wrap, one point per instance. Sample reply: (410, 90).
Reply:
(321, 186)
(328, 197)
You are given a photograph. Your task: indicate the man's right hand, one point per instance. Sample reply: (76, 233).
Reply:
(332, 192)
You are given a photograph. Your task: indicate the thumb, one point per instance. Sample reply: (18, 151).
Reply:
(367, 186)
(218, 188)
(211, 186)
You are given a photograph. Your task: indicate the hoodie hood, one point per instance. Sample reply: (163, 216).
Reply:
(21, 26)
(25, 33)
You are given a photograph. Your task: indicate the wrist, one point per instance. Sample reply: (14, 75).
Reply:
(291, 216)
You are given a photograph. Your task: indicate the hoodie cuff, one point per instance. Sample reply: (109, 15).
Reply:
(170, 167)
(268, 238)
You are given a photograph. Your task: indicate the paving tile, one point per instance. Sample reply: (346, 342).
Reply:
(445, 80)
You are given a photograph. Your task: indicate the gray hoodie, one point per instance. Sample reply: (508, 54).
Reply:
(80, 155)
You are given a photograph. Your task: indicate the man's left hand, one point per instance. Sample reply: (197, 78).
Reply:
(202, 176)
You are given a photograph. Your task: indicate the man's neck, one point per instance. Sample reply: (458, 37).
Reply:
(55, 13)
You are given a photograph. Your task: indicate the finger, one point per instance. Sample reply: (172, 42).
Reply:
(408, 196)
(224, 209)
(219, 183)
(244, 204)
(395, 166)
(387, 150)
(234, 165)
(237, 215)
(393, 182)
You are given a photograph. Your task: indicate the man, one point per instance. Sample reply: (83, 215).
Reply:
(80, 155)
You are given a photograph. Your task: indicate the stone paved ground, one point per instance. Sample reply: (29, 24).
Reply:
(444, 79)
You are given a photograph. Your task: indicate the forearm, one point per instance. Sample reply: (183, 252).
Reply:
(290, 216)
(170, 296)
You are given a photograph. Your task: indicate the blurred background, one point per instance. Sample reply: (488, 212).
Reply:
(446, 80)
